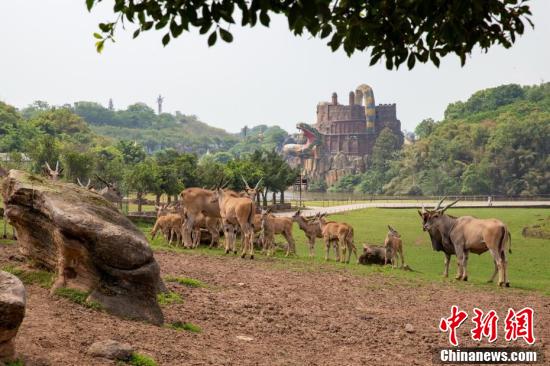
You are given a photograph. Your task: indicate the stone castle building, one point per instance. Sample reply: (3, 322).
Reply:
(344, 135)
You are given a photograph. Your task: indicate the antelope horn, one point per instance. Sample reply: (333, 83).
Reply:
(245, 182)
(258, 184)
(79, 182)
(102, 180)
(439, 204)
(57, 166)
(48, 166)
(423, 209)
(89, 183)
(449, 206)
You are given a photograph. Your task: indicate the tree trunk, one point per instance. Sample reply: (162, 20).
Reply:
(157, 199)
(274, 197)
(264, 198)
(282, 197)
(169, 198)
(139, 199)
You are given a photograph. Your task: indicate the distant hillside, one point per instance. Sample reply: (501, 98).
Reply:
(155, 132)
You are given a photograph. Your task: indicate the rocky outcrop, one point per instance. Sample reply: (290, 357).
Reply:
(332, 168)
(12, 311)
(90, 245)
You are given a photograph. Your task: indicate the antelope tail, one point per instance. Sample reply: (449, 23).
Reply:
(509, 241)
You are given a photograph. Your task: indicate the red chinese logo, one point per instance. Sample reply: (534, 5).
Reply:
(520, 325)
(452, 323)
(485, 325)
(516, 325)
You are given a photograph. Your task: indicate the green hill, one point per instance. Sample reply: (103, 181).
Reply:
(140, 123)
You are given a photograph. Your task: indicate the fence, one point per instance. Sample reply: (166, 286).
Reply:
(322, 199)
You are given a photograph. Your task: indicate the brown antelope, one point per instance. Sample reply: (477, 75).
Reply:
(110, 192)
(310, 229)
(394, 247)
(250, 192)
(272, 225)
(170, 225)
(340, 235)
(51, 173)
(236, 211)
(197, 201)
(467, 234)
(210, 224)
(88, 185)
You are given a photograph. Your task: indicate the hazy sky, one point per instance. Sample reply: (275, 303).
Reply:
(266, 75)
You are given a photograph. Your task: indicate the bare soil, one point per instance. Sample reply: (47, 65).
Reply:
(293, 314)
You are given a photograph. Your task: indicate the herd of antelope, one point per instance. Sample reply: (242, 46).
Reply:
(203, 210)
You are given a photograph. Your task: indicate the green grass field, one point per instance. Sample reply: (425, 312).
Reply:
(528, 264)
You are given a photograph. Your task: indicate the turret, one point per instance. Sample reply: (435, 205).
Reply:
(334, 98)
(351, 98)
(365, 92)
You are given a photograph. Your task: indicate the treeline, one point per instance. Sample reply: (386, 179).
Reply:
(139, 122)
(496, 142)
(29, 139)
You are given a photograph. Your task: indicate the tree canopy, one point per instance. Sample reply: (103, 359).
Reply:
(397, 31)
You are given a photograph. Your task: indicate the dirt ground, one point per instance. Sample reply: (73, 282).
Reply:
(295, 314)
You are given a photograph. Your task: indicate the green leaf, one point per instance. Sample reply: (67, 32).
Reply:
(226, 36)
(136, 33)
(90, 4)
(98, 36)
(166, 39)
(435, 59)
(205, 27)
(212, 39)
(99, 46)
(264, 18)
(325, 31)
(411, 61)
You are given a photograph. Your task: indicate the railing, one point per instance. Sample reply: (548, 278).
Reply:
(333, 199)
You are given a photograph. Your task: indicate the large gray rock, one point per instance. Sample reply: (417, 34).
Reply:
(88, 243)
(12, 311)
(111, 349)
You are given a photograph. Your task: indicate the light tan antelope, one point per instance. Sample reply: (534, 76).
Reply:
(310, 229)
(51, 173)
(394, 248)
(272, 225)
(236, 211)
(340, 235)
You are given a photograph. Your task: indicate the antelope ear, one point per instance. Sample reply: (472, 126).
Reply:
(389, 227)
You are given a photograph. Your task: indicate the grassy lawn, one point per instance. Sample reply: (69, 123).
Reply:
(528, 263)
